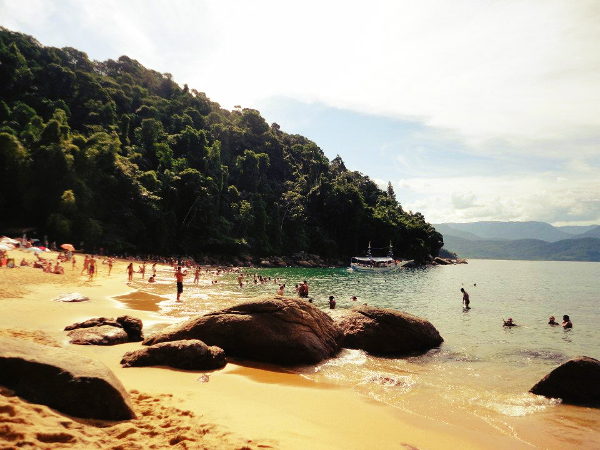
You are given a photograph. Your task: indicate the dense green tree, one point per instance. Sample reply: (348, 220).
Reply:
(120, 156)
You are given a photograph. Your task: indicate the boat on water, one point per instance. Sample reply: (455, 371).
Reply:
(370, 263)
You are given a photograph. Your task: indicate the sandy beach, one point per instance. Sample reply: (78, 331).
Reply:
(240, 406)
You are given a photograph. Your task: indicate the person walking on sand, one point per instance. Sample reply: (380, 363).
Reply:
(73, 263)
(179, 277)
(92, 267)
(86, 264)
(240, 279)
(197, 275)
(466, 300)
(130, 272)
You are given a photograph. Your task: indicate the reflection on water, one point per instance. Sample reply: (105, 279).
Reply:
(482, 370)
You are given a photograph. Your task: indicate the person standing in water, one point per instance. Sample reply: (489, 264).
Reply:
(331, 302)
(466, 300)
(179, 277)
(567, 322)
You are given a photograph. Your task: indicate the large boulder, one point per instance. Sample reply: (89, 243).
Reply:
(387, 332)
(63, 380)
(284, 331)
(188, 355)
(577, 382)
(103, 331)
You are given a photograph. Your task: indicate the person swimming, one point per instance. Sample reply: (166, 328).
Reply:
(552, 321)
(509, 322)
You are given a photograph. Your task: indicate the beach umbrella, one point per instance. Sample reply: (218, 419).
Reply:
(34, 250)
(10, 241)
(4, 247)
(68, 247)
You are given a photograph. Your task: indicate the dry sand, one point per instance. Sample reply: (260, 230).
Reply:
(238, 407)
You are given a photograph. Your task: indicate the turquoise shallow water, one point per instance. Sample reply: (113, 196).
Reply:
(482, 370)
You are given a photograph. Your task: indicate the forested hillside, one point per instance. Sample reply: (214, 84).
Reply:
(122, 157)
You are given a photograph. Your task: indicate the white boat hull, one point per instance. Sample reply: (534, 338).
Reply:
(382, 269)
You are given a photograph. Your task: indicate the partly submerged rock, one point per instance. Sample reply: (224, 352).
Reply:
(577, 382)
(188, 355)
(103, 331)
(387, 332)
(285, 331)
(63, 380)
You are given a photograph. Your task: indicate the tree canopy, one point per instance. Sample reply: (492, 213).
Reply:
(120, 156)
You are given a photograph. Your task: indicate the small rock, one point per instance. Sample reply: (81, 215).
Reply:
(190, 354)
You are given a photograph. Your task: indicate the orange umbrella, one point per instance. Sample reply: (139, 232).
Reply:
(68, 247)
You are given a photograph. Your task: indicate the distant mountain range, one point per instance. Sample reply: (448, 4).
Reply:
(521, 240)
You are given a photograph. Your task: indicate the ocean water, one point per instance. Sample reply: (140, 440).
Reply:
(480, 376)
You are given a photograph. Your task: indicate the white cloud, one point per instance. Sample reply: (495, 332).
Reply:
(515, 73)
(528, 197)
(463, 200)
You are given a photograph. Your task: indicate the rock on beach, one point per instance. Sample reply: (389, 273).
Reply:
(577, 382)
(103, 331)
(187, 355)
(63, 380)
(284, 331)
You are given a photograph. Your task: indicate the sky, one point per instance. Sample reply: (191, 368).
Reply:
(473, 110)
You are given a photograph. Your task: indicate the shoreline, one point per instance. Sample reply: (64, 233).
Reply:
(249, 403)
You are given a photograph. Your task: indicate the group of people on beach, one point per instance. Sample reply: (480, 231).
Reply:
(566, 323)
